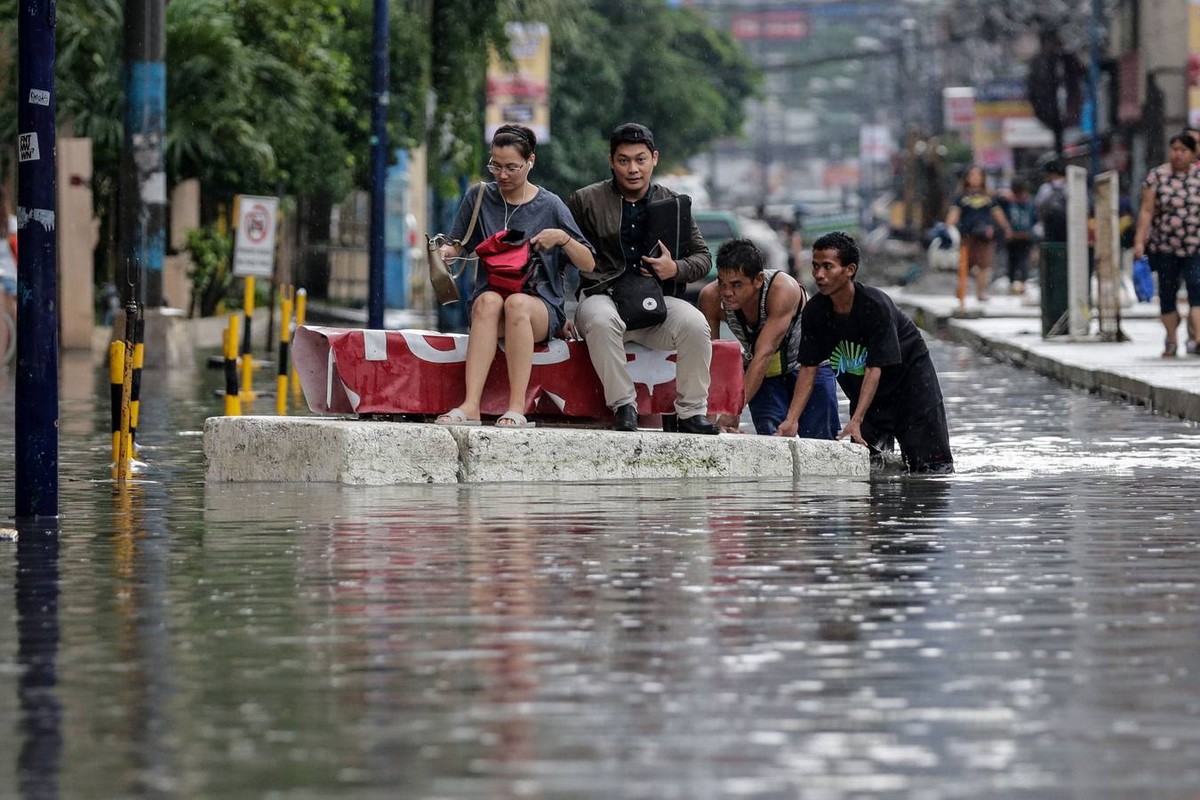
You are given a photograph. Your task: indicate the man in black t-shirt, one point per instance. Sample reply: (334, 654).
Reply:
(880, 360)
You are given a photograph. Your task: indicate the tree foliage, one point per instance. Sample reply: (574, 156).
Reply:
(639, 60)
(269, 95)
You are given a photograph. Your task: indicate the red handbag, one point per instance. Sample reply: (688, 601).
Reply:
(507, 258)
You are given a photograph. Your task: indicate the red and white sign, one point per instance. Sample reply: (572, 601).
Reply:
(958, 106)
(356, 371)
(773, 25)
(254, 247)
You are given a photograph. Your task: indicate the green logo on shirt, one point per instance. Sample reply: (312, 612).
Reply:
(849, 357)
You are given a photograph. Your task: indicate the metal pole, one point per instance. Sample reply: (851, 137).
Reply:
(379, 109)
(1094, 86)
(143, 174)
(37, 277)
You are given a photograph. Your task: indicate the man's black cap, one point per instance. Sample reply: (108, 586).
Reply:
(630, 133)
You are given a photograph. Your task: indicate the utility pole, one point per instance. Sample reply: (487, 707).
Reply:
(37, 277)
(379, 154)
(143, 213)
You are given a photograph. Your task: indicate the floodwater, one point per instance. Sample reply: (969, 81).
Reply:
(1026, 628)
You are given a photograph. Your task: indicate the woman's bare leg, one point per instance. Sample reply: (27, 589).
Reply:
(525, 322)
(487, 314)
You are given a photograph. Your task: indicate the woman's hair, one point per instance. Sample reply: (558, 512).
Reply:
(966, 178)
(1184, 138)
(518, 136)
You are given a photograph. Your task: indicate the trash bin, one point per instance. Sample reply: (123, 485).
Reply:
(1053, 278)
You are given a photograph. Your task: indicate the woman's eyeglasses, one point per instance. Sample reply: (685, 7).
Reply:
(507, 169)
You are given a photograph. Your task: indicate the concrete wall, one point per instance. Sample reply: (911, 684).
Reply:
(78, 234)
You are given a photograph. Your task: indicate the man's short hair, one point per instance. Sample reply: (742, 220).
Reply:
(1055, 166)
(742, 255)
(847, 248)
(630, 133)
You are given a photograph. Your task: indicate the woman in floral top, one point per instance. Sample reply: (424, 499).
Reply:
(1168, 233)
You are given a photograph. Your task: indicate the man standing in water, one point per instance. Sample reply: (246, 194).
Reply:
(880, 359)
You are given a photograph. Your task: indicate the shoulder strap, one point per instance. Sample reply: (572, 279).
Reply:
(470, 229)
(474, 214)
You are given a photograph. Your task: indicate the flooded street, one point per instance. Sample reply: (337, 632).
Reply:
(1024, 628)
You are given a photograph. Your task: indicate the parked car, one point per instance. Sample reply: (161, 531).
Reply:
(717, 226)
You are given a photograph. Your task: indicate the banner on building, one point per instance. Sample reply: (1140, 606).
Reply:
(1004, 120)
(518, 91)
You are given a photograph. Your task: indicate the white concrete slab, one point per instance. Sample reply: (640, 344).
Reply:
(328, 450)
(323, 449)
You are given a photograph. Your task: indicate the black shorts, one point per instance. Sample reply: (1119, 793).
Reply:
(924, 441)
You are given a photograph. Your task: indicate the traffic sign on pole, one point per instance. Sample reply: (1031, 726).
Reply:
(254, 247)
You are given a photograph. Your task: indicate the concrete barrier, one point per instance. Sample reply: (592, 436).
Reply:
(326, 450)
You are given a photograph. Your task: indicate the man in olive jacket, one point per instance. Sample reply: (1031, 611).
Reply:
(611, 214)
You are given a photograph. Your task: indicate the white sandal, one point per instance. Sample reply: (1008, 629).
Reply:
(514, 420)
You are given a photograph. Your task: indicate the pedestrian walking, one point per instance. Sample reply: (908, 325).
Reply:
(1021, 215)
(1168, 234)
(977, 215)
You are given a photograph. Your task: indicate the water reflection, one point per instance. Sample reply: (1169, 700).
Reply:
(37, 592)
(1025, 627)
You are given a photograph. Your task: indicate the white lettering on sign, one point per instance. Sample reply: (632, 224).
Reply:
(27, 147)
(39, 97)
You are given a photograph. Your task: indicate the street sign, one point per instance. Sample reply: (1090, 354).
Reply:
(254, 247)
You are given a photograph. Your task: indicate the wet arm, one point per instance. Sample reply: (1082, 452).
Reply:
(783, 304)
(803, 390)
(710, 305)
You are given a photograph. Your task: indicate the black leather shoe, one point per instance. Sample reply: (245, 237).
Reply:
(698, 424)
(626, 418)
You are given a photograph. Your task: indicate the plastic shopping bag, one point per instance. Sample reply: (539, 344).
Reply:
(1143, 281)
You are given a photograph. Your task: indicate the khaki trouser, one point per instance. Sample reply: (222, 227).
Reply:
(685, 331)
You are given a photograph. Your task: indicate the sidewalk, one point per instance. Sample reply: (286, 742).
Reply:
(1010, 329)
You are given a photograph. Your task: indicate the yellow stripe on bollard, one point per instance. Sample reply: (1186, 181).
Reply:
(285, 338)
(116, 372)
(125, 450)
(301, 309)
(233, 400)
(135, 397)
(247, 393)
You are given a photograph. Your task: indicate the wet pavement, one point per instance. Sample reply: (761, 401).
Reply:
(1025, 628)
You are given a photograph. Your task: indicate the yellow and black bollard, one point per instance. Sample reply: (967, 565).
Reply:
(285, 340)
(247, 354)
(116, 375)
(301, 309)
(125, 440)
(233, 400)
(135, 391)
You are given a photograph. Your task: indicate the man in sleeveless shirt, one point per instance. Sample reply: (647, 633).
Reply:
(762, 309)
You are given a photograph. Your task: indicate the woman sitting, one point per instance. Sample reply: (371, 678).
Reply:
(532, 314)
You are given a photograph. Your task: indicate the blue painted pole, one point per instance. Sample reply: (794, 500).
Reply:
(379, 115)
(1094, 88)
(143, 217)
(37, 275)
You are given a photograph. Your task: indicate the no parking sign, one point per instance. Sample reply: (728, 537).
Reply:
(254, 247)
